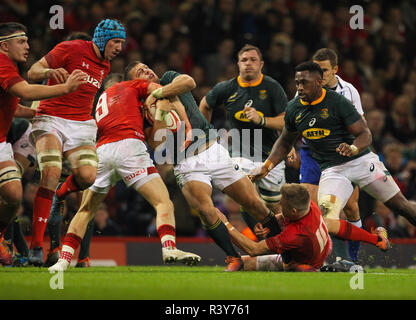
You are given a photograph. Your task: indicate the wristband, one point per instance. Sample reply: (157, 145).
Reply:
(158, 94)
(262, 121)
(268, 165)
(45, 71)
(159, 115)
(354, 149)
(229, 226)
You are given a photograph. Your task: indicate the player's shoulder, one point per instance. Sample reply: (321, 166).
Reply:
(5, 61)
(342, 84)
(267, 80)
(294, 103)
(225, 85)
(168, 76)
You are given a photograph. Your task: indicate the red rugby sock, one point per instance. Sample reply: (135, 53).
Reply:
(70, 185)
(167, 235)
(41, 207)
(71, 243)
(350, 232)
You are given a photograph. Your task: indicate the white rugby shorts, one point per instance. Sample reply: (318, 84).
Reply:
(6, 152)
(126, 159)
(269, 186)
(70, 133)
(367, 172)
(212, 166)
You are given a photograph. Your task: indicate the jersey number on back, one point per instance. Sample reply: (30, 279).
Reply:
(322, 235)
(102, 107)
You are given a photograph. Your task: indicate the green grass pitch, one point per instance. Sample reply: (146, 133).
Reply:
(202, 283)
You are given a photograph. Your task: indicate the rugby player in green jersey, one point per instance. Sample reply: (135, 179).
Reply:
(206, 164)
(255, 106)
(339, 140)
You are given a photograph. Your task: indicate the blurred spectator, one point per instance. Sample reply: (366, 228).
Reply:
(104, 225)
(376, 123)
(215, 63)
(367, 102)
(400, 122)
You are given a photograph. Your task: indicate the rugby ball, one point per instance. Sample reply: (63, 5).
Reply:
(173, 122)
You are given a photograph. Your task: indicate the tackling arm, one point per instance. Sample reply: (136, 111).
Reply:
(40, 71)
(24, 112)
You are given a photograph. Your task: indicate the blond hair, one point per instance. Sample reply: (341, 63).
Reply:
(296, 195)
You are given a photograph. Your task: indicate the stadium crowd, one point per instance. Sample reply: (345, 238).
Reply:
(201, 38)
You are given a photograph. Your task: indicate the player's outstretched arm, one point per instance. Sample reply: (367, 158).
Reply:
(363, 139)
(40, 71)
(28, 91)
(280, 150)
(251, 247)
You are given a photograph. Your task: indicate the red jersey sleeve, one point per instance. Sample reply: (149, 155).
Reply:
(58, 56)
(9, 76)
(286, 240)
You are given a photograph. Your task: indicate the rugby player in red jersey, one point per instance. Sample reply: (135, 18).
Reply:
(14, 49)
(123, 155)
(304, 243)
(64, 125)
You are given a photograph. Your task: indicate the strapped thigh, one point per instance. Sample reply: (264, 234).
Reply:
(83, 157)
(9, 174)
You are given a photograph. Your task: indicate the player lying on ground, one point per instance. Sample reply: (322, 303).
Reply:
(339, 140)
(205, 164)
(14, 48)
(304, 243)
(123, 155)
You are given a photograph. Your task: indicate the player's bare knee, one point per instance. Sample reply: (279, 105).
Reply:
(86, 177)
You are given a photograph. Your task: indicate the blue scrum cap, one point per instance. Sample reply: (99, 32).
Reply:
(107, 29)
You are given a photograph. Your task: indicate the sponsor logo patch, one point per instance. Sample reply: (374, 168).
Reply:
(315, 133)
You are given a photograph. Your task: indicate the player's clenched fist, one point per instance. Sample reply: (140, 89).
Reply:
(76, 78)
(60, 75)
(347, 150)
(252, 115)
(258, 173)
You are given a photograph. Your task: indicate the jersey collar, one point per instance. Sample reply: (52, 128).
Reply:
(246, 84)
(319, 100)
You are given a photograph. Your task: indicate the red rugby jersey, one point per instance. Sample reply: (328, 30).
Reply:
(71, 55)
(9, 76)
(118, 114)
(307, 240)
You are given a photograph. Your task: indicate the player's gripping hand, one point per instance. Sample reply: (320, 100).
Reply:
(346, 150)
(252, 115)
(260, 232)
(164, 105)
(258, 173)
(60, 75)
(76, 78)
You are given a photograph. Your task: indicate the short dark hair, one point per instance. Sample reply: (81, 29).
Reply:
(9, 28)
(309, 66)
(249, 47)
(326, 54)
(127, 69)
(78, 36)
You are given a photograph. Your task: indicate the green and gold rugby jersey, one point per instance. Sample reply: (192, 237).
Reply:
(323, 125)
(200, 126)
(266, 96)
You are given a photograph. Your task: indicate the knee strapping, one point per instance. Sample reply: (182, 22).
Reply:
(49, 158)
(330, 206)
(83, 157)
(9, 174)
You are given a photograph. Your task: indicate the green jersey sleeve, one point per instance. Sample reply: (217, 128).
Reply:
(347, 111)
(289, 118)
(279, 99)
(217, 95)
(168, 77)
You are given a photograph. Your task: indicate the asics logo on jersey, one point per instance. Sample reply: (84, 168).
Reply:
(94, 82)
(316, 133)
(249, 103)
(312, 122)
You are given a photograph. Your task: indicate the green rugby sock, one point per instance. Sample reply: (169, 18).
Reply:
(219, 233)
(339, 247)
(248, 219)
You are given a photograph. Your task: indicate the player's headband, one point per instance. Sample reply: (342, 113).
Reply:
(13, 36)
(107, 29)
